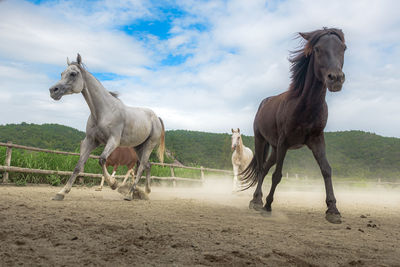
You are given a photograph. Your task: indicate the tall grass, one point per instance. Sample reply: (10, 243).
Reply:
(50, 161)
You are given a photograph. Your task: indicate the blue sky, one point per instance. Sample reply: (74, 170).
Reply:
(201, 65)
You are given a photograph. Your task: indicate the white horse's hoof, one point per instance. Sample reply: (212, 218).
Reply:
(114, 185)
(58, 197)
(128, 198)
(98, 189)
(124, 189)
(147, 190)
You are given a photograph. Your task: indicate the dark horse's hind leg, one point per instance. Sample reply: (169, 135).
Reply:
(317, 146)
(277, 175)
(260, 154)
(256, 203)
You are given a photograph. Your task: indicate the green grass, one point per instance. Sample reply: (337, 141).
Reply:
(50, 161)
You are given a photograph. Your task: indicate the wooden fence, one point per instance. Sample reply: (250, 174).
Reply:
(8, 168)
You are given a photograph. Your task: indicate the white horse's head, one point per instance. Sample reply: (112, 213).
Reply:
(71, 82)
(235, 138)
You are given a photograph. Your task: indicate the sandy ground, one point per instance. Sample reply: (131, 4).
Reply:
(196, 226)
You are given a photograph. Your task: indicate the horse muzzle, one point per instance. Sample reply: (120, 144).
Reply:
(57, 91)
(334, 81)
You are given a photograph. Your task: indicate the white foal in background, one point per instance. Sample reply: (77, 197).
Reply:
(241, 156)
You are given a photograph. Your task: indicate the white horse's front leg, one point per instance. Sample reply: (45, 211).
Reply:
(235, 177)
(111, 145)
(87, 146)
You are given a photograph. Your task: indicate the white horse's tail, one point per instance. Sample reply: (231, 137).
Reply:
(161, 147)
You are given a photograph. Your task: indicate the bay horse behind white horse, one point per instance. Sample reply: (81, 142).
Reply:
(110, 123)
(241, 156)
(121, 156)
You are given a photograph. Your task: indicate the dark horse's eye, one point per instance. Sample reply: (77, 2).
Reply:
(316, 49)
(345, 47)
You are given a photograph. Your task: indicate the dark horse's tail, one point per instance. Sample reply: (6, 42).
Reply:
(249, 177)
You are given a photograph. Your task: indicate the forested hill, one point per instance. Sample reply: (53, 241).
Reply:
(350, 153)
(50, 136)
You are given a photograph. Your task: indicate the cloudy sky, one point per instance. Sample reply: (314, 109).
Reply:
(201, 65)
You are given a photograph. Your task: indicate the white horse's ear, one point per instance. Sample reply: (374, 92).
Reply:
(78, 59)
(238, 130)
(232, 130)
(68, 63)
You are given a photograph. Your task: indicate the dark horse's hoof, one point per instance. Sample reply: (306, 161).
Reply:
(58, 197)
(333, 218)
(256, 205)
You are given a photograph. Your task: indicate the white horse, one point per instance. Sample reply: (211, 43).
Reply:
(241, 156)
(110, 123)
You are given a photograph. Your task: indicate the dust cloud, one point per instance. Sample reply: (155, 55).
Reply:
(296, 193)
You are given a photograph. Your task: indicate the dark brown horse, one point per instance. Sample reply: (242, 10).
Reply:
(121, 156)
(298, 116)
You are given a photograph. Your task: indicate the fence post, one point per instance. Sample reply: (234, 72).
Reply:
(202, 173)
(7, 162)
(173, 176)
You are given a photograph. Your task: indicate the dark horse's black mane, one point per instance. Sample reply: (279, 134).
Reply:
(301, 58)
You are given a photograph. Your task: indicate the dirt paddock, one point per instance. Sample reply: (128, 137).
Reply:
(196, 226)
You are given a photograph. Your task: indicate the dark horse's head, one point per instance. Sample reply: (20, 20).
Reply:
(325, 50)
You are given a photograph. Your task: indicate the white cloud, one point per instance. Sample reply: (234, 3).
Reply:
(237, 60)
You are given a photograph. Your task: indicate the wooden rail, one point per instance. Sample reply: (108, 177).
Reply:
(8, 168)
(11, 145)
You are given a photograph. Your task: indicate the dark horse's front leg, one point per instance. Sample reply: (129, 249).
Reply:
(87, 146)
(317, 146)
(281, 150)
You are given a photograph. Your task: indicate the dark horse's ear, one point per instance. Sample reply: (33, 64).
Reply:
(78, 59)
(305, 35)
